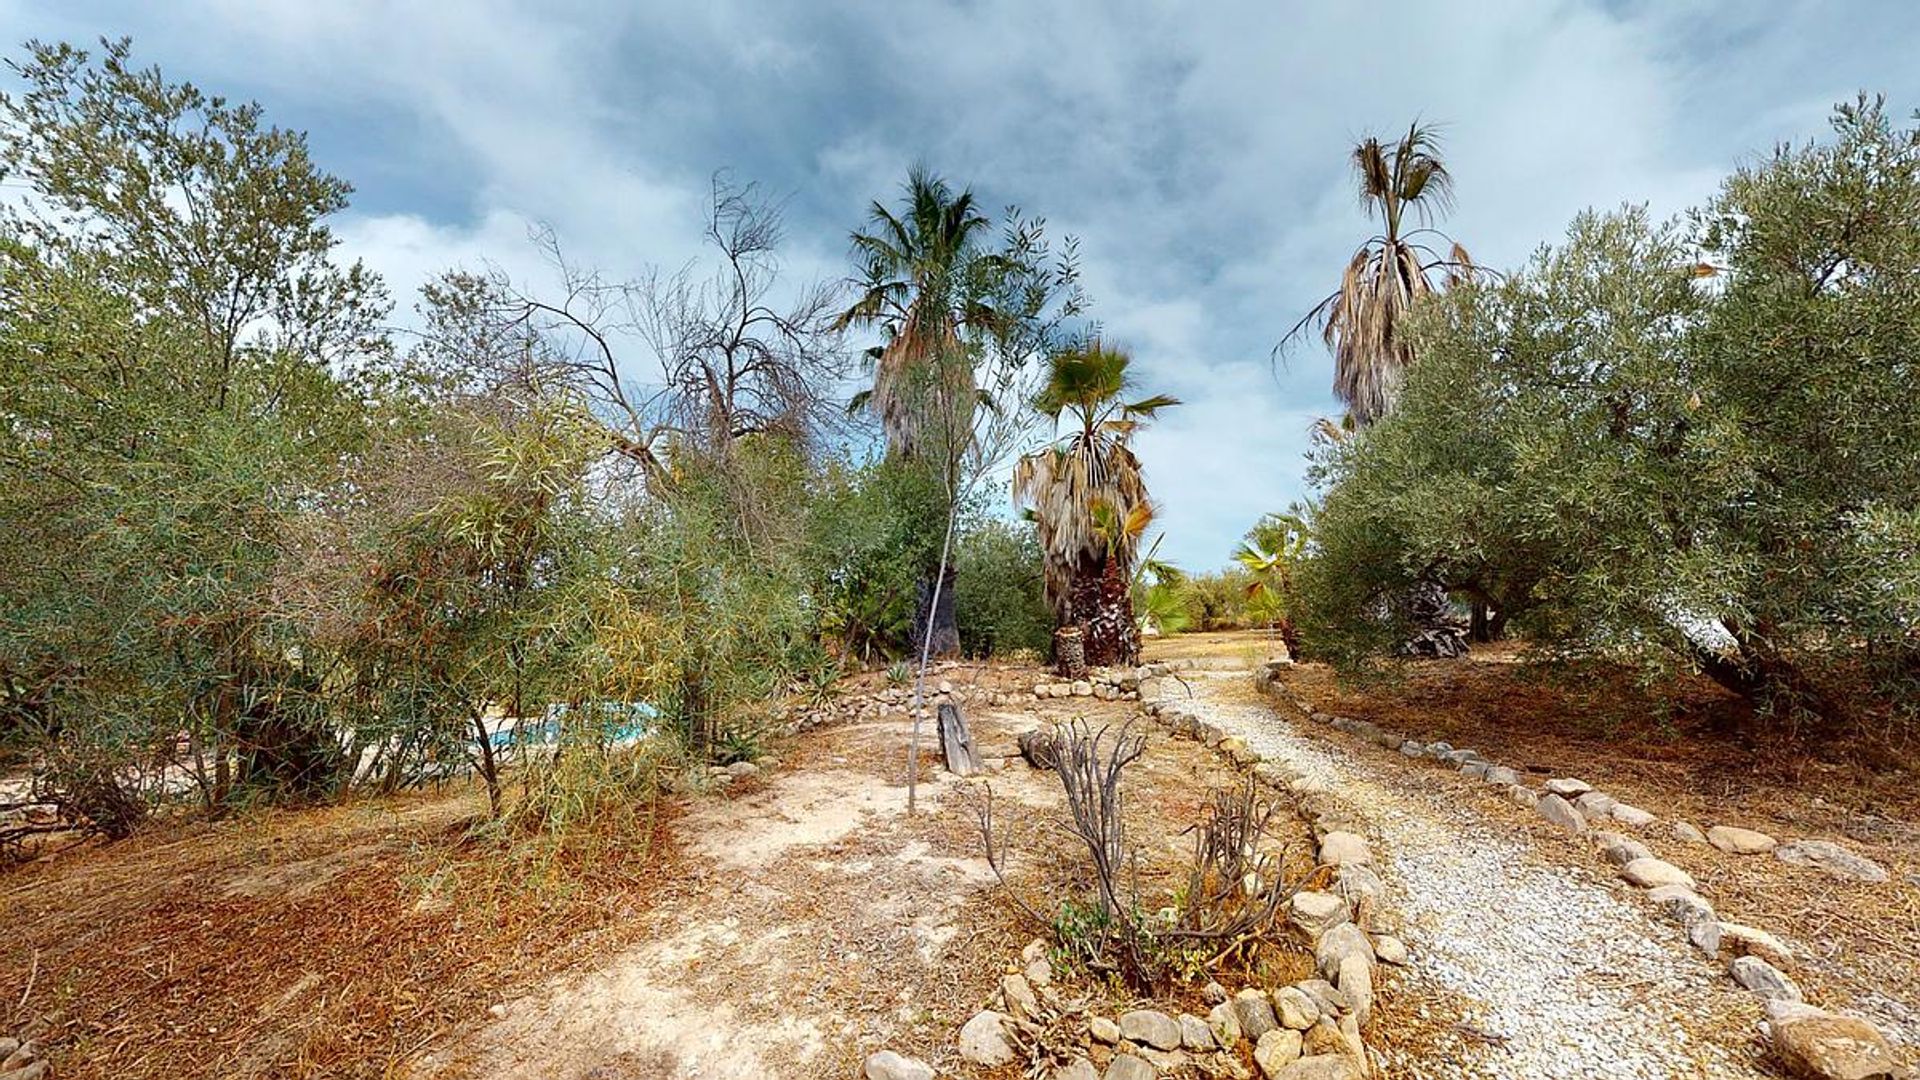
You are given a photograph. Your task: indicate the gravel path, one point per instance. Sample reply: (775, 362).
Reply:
(1576, 981)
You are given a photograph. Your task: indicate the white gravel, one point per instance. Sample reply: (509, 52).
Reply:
(1569, 979)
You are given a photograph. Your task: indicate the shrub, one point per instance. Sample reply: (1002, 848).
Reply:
(999, 594)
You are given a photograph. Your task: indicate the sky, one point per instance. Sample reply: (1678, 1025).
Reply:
(1199, 152)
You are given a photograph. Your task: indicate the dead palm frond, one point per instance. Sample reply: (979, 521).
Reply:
(1086, 492)
(1361, 321)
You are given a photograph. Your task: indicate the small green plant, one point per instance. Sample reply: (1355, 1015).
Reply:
(899, 673)
(737, 744)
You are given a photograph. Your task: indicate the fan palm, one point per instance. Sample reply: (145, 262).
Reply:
(1402, 183)
(1273, 547)
(919, 272)
(1088, 497)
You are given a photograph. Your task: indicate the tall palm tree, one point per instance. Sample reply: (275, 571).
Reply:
(1087, 494)
(1404, 184)
(919, 269)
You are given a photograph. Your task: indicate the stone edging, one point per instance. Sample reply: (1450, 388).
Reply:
(1814, 1042)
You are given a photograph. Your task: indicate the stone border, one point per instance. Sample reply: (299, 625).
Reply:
(1814, 1042)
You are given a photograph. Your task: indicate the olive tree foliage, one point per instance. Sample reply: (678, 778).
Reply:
(172, 322)
(1688, 445)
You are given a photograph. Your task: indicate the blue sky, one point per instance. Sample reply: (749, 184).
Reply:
(1197, 151)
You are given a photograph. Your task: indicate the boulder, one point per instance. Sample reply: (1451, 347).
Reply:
(1344, 849)
(1817, 1045)
(1595, 804)
(1151, 1027)
(1295, 1008)
(1195, 1034)
(1705, 936)
(1356, 982)
(1330, 1000)
(1568, 788)
(887, 1065)
(1688, 833)
(1619, 850)
(1750, 941)
(1557, 809)
(1525, 796)
(1276, 1050)
(1336, 945)
(1651, 873)
(1390, 950)
(1680, 905)
(1213, 992)
(1737, 841)
(1412, 749)
(1501, 776)
(1317, 912)
(982, 1041)
(1128, 1067)
(1225, 1022)
(1077, 1069)
(1103, 1030)
(1254, 1012)
(1832, 858)
(1763, 978)
(1320, 1067)
(1631, 816)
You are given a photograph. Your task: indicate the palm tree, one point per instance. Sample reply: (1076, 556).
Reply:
(920, 272)
(1361, 321)
(1087, 495)
(1272, 548)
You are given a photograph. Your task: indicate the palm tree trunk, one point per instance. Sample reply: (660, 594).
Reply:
(1112, 638)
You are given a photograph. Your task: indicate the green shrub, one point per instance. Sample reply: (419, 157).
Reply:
(999, 593)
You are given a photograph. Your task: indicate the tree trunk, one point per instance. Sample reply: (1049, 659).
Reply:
(946, 629)
(1070, 652)
(1112, 637)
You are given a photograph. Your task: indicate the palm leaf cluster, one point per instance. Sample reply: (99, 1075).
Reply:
(1086, 492)
(919, 271)
(1390, 273)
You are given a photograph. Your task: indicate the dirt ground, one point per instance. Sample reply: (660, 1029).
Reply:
(783, 927)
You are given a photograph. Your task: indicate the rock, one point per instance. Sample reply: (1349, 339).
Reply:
(1705, 936)
(1650, 873)
(1680, 905)
(1324, 1037)
(1737, 841)
(982, 1042)
(1213, 992)
(1439, 750)
(1832, 858)
(1103, 1030)
(1224, 1019)
(1819, 1045)
(1750, 941)
(740, 770)
(1151, 1027)
(1568, 788)
(7, 1047)
(1082, 688)
(1390, 950)
(1330, 1000)
(1344, 849)
(1195, 1034)
(23, 1055)
(1128, 1067)
(1317, 912)
(1595, 804)
(1255, 1013)
(1763, 978)
(1619, 850)
(1018, 997)
(1077, 1069)
(1295, 1009)
(1276, 1050)
(1558, 810)
(1688, 833)
(1475, 770)
(1632, 816)
(1320, 1067)
(36, 1071)
(1524, 796)
(1412, 749)
(1356, 982)
(1501, 776)
(1336, 945)
(887, 1065)
(1039, 973)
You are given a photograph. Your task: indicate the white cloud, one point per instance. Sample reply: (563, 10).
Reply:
(1198, 153)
